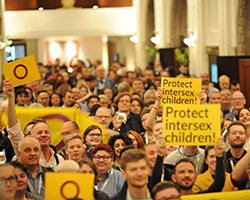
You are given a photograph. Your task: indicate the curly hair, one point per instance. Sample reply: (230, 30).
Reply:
(123, 137)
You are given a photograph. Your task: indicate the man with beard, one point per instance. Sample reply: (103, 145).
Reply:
(185, 176)
(236, 137)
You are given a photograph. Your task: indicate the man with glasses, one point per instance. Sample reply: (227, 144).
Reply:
(110, 180)
(238, 102)
(8, 182)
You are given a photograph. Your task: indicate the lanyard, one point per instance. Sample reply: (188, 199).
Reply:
(39, 186)
(130, 198)
(232, 164)
(118, 166)
(106, 182)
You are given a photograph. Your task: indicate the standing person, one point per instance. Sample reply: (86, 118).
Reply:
(117, 143)
(8, 182)
(236, 137)
(110, 180)
(205, 179)
(134, 165)
(137, 141)
(88, 167)
(22, 182)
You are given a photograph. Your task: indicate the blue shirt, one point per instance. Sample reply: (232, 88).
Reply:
(38, 182)
(114, 184)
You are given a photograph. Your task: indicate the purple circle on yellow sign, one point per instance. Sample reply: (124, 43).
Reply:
(74, 183)
(20, 77)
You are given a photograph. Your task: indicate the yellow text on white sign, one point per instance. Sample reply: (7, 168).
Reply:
(180, 90)
(191, 124)
(62, 186)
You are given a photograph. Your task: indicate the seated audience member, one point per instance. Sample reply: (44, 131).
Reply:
(166, 190)
(68, 166)
(149, 95)
(22, 182)
(103, 159)
(21, 97)
(137, 141)
(88, 167)
(68, 98)
(185, 176)
(234, 86)
(224, 82)
(74, 147)
(43, 98)
(29, 151)
(117, 143)
(123, 103)
(135, 170)
(55, 100)
(205, 179)
(137, 106)
(148, 134)
(8, 182)
(236, 137)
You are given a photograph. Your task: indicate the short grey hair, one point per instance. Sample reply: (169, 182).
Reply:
(67, 164)
(123, 86)
(70, 137)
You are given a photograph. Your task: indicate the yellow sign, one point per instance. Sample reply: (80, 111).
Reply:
(242, 195)
(63, 186)
(55, 117)
(180, 90)
(192, 124)
(21, 71)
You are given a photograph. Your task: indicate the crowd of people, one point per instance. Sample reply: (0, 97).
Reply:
(135, 163)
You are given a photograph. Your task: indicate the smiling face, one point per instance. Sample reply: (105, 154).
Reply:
(238, 100)
(134, 140)
(124, 104)
(152, 153)
(136, 173)
(184, 175)
(75, 149)
(118, 146)
(55, 100)
(244, 116)
(102, 165)
(226, 97)
(22, 179)
(41, 132)
(94, 137)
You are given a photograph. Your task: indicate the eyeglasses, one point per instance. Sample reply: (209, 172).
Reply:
(122, 101)
(238, 99)
(101, 116)
(95, 134)
(105, 158)
(11, 179)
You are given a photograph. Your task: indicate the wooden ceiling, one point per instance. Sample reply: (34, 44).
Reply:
(53, 4)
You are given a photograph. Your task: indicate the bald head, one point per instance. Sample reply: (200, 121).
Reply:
(26, 141)
(103, 116)
(69, 127)
(238, 101)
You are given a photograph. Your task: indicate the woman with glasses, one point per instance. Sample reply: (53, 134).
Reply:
(88, 167)
(22, 182)
(111, 181)
(92, 136)
(117, 143)
(8, 182)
